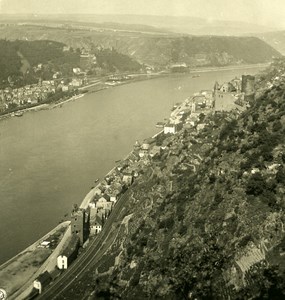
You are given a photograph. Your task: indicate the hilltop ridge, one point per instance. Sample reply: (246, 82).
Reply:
(157, 50)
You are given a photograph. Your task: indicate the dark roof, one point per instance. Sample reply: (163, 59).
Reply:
(98, 221)
(44, 278)
(72, 246)
(107, 197)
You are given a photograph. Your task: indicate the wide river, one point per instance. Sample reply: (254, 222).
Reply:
(50, 159)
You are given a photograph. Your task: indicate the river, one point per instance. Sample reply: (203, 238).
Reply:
(49, 159)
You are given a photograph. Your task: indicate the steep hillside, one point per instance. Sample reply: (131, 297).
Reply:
(24, 62)
(206, 218)
(19, 60)
(159, 49)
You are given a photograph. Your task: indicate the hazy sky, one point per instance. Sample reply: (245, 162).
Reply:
(266, 12)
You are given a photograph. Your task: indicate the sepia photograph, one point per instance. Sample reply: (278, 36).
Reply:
(142, 149)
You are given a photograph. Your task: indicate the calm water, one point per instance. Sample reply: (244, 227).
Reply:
(50, 159)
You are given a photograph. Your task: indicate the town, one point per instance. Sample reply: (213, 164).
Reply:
(87, 219)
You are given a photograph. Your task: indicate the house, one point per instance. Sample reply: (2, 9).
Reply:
(170, 128)
(92, 204)
(227, 87)
(201, 126)
(65, 88)
(273, 168)
(179, 68)
(76, 71)
(155, 151)
(142, 153)
(104, 203)
(76, 82)
(113, 198)
(45, 244)
(69, 254)
(137, 146)
(128, 179)
(145, 146)
(42, 281)
(98, 225)
(199, 101)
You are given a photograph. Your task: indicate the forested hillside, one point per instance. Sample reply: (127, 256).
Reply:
(206, 218)
(19, 60)
(24, 62)
(156, 49)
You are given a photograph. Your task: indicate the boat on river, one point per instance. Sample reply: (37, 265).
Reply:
(19, 114)
(78, 96)
(160, 124)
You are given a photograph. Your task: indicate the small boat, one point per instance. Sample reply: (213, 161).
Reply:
(194, 76)
(160, 124)
(78, 96)
(96, 180)
(19, 114)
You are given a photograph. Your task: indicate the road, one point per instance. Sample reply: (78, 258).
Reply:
(92, 254)
(49, 264)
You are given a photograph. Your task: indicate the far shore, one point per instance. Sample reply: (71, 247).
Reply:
(134, 77)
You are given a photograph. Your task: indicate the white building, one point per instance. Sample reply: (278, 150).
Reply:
(62, 262)
(69, 253)
(42, 281)
(170, 128)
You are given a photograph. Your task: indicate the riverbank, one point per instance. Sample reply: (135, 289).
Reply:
(99, 84)
(15, 272)
(109, 108)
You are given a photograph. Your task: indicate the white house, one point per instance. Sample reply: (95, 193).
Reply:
(62, 262)
(69, 253)
(170, 128)
(42, 281)
(128, 179)
(98, 224)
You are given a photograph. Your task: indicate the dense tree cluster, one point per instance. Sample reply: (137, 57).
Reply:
(15, 54)
(112, 60)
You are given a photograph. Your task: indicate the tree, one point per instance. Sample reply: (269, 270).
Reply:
(256, 185)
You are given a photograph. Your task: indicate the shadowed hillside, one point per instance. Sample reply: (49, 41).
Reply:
(206, 218)
(158, 50)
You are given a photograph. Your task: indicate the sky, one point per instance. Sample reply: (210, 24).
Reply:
(264, 12)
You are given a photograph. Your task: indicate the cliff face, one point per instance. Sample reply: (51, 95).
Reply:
(206, 219)
(156, 48)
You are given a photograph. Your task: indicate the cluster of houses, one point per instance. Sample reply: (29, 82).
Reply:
(30, 94)
(186, 114)
(90, 221)
(36, 93)
(232, 95)
(11, 97)
(277, 76)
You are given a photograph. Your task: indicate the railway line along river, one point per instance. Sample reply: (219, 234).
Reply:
(49, 159)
